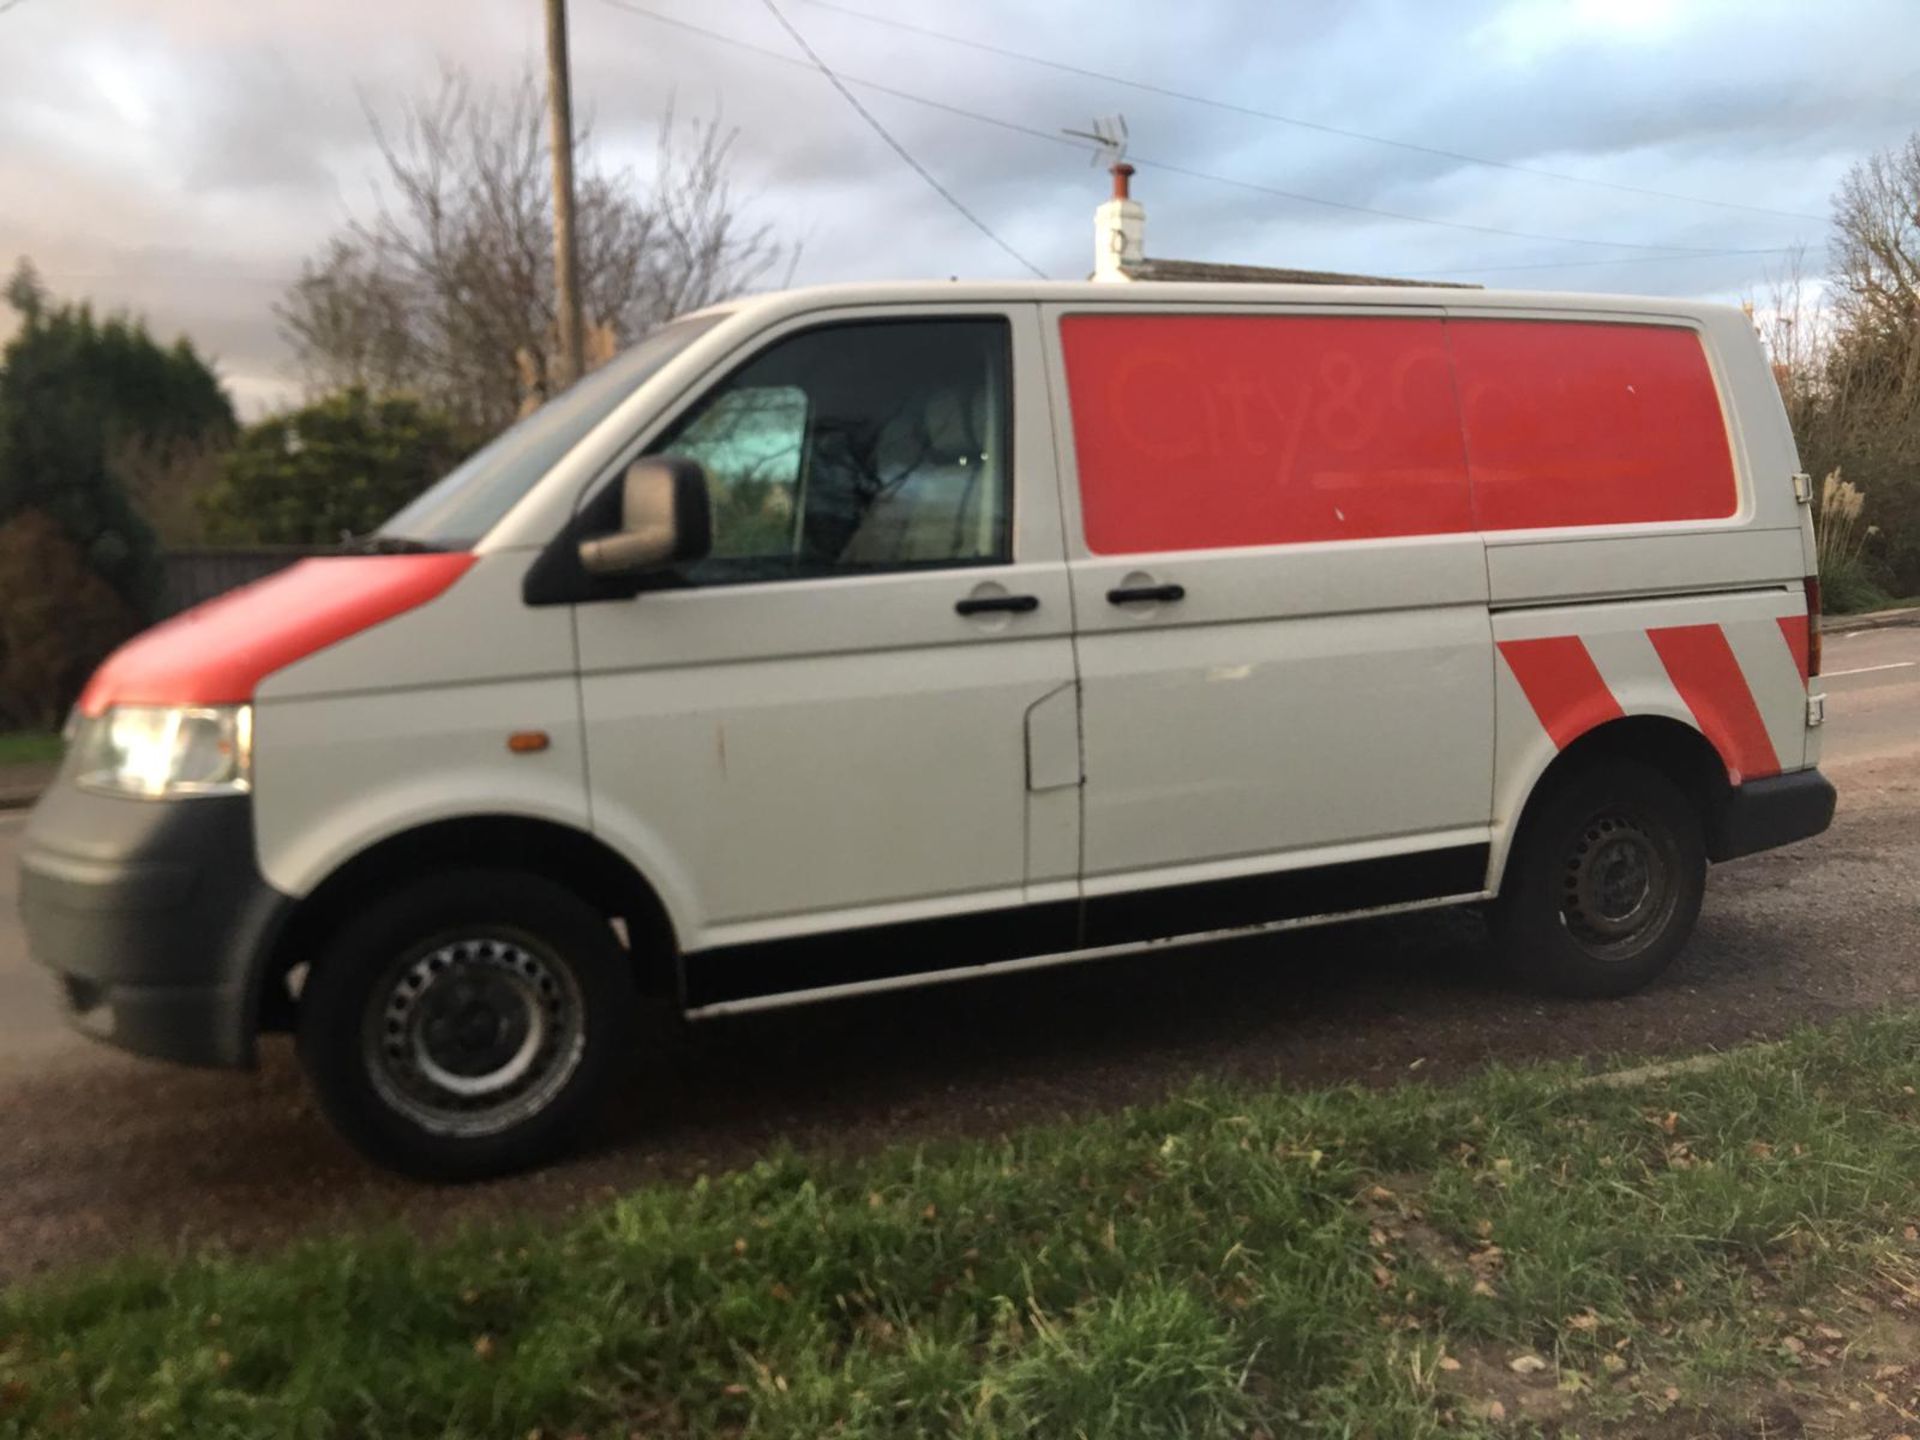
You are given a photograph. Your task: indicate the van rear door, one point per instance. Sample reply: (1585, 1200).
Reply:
(1633, 474)
(1281, 610)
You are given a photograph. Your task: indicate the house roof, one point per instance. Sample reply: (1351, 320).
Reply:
(1151, 269)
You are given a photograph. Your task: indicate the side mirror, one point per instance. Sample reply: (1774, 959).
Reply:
(666, 519)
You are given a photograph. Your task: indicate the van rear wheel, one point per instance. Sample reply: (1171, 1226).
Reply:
(465, 1026)
(1604, 884)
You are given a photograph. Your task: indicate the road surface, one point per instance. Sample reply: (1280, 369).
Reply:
(100, 1152)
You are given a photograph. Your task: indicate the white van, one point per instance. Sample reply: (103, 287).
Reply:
(861, 636)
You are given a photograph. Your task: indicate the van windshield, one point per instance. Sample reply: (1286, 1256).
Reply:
(462, 507)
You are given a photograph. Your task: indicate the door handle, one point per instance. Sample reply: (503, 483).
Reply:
(1128, 594)
(979, 604)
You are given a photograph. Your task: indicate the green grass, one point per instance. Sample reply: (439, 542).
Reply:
(1229, 1263)
(28, 747)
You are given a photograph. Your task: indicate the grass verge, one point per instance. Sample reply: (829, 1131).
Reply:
(28, 747)
(1514, 1253)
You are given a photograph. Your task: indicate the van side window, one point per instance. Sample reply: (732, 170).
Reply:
(857, 448)
(750, 440)
(1195, 432)
(1590, 423)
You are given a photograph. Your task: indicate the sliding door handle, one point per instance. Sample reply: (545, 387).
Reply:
(1128, 594)
(980, 604)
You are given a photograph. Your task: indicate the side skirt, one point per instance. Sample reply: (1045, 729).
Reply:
(791, 998)
(809, 968)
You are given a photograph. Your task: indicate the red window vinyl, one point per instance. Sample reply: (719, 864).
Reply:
(1571, 423)
(1201, 431)
(1197, 431)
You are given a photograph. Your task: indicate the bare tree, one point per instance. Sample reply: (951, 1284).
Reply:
(446, 290)
(167, 479)
(1848, 364)
(1873, 378)
(1792, 325)
(349, 317)
(1876, 248)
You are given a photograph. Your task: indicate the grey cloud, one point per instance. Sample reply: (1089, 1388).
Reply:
(253, 144)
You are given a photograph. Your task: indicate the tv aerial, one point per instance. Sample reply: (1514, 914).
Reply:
(1108, 137)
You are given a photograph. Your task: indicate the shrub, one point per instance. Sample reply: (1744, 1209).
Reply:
(58, 620)
(336, 468)
(74, 392)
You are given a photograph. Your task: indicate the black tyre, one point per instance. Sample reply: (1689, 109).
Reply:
(1604, 883)
(465, 1026)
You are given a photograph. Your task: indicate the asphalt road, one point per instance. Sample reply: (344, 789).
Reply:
(100, 1152)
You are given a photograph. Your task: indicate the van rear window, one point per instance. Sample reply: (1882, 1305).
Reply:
(1572, 423)
(1212, 431)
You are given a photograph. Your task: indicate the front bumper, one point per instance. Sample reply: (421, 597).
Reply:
(1777, 810)
(155, 917)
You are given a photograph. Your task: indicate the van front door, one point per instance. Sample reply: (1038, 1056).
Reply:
(836, 743)
(1284, 648)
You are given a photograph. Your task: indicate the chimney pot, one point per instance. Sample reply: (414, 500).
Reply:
(1119, 230)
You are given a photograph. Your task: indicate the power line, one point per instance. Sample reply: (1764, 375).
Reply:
(172, 277)
(1614, 260)
(1294, 120)
(898, 149)
(1148, 163)
(1052, 137)
(1255, 185)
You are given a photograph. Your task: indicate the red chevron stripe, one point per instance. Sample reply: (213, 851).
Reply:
(1794, 627)
(1704, 670)
(1562, 684)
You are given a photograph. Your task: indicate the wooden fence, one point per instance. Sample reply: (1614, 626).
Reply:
(201, 574)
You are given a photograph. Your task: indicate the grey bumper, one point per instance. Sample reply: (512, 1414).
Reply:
(155, 917)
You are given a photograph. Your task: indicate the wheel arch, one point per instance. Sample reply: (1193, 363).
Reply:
(569, 857)
(1674, 748)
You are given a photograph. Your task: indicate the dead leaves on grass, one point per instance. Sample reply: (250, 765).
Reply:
(1594, 1353)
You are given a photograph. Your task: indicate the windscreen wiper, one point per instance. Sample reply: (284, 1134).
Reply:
(377, 544)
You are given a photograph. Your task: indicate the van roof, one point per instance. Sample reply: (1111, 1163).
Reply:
(1157, 292)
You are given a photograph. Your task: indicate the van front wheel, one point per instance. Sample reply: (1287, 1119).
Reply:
(464, 1026)
(1604, 883)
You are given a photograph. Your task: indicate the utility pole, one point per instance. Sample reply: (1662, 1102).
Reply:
(566, 253)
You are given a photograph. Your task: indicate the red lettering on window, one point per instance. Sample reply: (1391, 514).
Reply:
(1203, 431)
(1577, 423)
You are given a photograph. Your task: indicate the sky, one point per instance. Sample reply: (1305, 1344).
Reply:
(179, 160)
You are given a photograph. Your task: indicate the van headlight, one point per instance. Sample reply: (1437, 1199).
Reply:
(165, 750)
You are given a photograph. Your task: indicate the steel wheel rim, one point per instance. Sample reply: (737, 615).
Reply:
(1618, 885)
(470, 1034)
